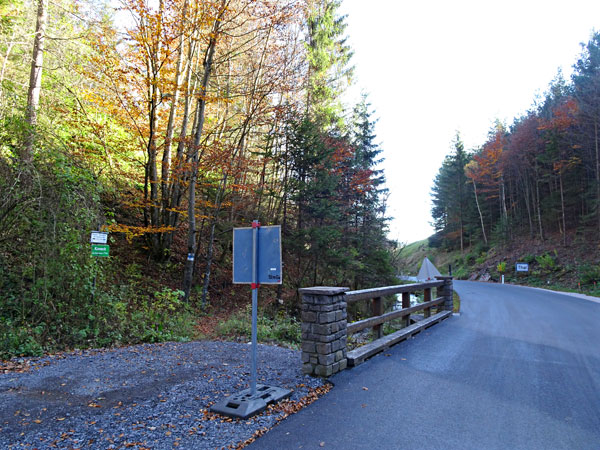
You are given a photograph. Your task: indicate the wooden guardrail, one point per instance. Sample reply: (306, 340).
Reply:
(325, 328)
(379, 318)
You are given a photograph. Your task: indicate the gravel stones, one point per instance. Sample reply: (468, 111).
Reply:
(147, 396)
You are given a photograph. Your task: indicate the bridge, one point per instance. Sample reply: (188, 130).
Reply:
(325, 327)
(518, 369)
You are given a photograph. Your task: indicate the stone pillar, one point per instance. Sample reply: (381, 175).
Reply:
(446, 290)
(323, 330)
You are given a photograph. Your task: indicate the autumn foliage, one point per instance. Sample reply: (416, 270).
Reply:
(540, 177)
(168, 123)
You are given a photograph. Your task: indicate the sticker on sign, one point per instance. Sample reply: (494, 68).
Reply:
(99, 237)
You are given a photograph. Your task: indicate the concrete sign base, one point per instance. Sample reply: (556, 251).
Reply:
(243, 404)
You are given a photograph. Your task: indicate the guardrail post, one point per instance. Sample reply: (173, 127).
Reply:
(446, 291)
(427, 298)
(323, 330)
(377, 310)
(406, 304)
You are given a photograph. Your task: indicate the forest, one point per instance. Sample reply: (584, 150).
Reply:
(537, 180)
(167, 123)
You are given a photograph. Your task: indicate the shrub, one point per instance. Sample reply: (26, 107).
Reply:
(529, 258)
(53, 294)
(47, 273)
(164, 318)
(435, 240)
(589, 274)
(281, 328)
(547, 262)
(15, 340)
(470, 258)
(481, 259)
(480, 247)
(461, 273)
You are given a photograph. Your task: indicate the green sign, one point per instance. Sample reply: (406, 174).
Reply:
(100, 250)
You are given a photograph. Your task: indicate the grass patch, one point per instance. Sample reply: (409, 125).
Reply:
(280, 329)
(592, 291)
(456, 302)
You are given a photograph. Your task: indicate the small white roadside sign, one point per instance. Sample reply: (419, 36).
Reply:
(99, 237)
(522, 267)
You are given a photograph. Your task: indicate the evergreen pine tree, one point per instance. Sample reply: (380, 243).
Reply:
(369, 210)
(450, 196)
(328, 62)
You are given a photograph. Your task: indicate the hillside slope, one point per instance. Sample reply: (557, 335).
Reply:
(574, 267)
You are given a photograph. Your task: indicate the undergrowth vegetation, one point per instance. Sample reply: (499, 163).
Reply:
(278, 327)
(237, 120)
(55, 295)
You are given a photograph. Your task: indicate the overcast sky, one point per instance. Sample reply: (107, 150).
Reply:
(432, 68)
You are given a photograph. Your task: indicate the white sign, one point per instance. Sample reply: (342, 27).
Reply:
(99, 237)
(522, 267)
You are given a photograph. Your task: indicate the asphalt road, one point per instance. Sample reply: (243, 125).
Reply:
(518, 369)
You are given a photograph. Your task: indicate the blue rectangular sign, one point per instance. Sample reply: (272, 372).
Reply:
(522, 267)
(268, 255)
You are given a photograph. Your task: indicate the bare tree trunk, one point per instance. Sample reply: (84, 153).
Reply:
(504, 211)
(35, 78)
(480, 215)
(166, 159)
(461, 222)
(9, 48)
(562, 207)
(240, 149)
(211, 239)
(528, 205)
(153, 65)
(176, 191)
(218, 203)
(284, 212)
(537, 203)
(152, 178)
(597, 172)
(192, 242)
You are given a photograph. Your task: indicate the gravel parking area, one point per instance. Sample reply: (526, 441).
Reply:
(144, 397)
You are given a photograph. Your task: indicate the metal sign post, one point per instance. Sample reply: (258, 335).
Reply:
(256, 260)
(254, 287)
